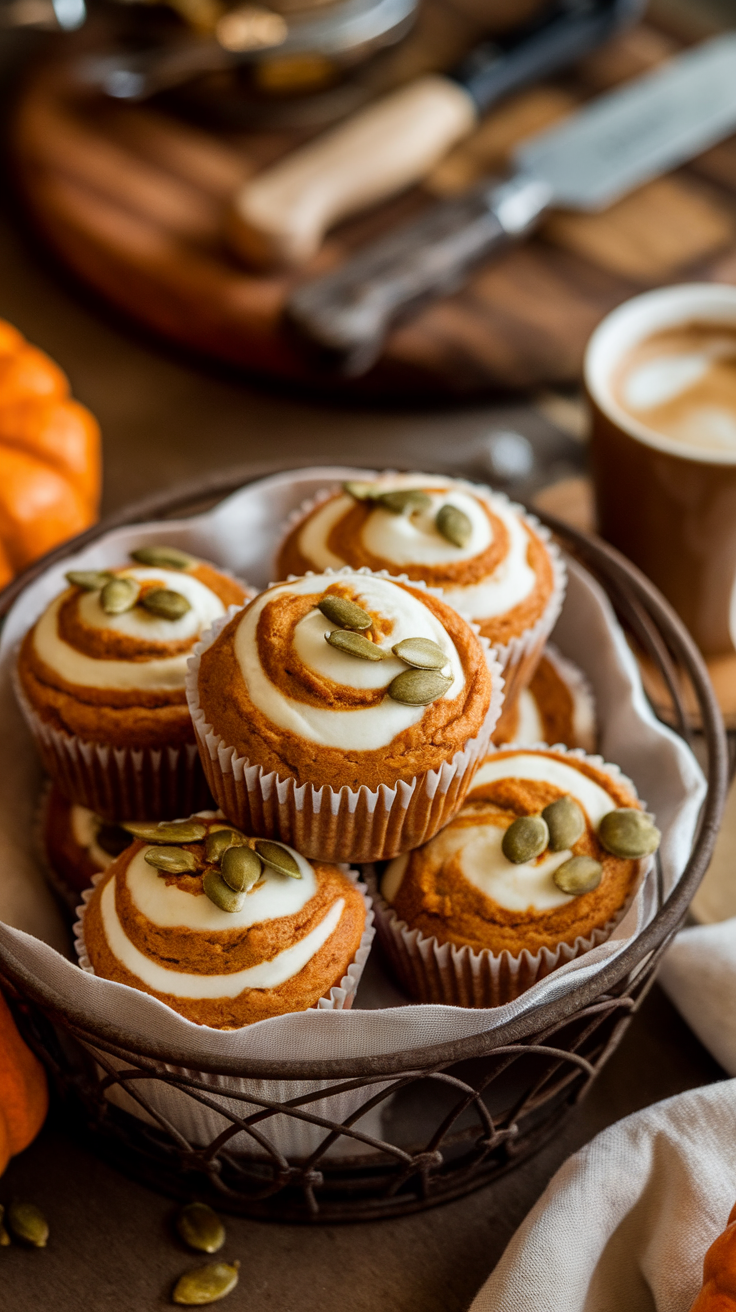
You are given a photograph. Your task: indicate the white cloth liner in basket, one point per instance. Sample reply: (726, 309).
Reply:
(241, 533)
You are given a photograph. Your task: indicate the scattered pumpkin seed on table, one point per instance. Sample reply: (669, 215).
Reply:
(454, 525)
(27, 1224)
(629, 833)
(565, 821)
(525, 838)
(418, 687)
(241, 868)
(278, 858)
(340, 610)
(4, 1236)
(578, 875)
(168, 831)
(171, 860)
(164, 557)
(119, 595)
(221, 894)
(422, 653)
(89, 579)
(165, 603)
(354, 644)
(206, 1284)
(219, 840)
(200, 1228)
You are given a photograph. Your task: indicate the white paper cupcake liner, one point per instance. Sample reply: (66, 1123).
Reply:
(293, 1138)
(119, 783)
(337, 825)
(520, 656)
(585, 719)
(431, 971)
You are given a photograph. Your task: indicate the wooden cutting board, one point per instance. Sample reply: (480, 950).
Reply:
(133, 200)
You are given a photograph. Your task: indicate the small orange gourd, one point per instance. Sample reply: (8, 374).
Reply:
(49, 456)
(719, 1273)
(24, 1097)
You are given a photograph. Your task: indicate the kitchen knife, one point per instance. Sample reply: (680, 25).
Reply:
(281, 215)
(620, 141)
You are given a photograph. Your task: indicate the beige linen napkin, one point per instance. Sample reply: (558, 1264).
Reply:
(625, 1223)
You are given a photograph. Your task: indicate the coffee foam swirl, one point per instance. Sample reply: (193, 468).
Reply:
(363, 729)
(412, 540)
(160, 672)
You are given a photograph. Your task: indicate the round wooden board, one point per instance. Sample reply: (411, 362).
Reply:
(133, 199)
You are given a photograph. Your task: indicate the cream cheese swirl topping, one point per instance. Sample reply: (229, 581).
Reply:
(165, 672)
(361, 729)
(477, 848)
(406, 540)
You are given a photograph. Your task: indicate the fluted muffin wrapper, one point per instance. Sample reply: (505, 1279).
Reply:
(585, 719)
(119, 783)
(431, 971)
(337, 825)
(520, 656)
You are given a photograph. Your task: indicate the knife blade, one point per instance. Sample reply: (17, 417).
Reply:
(618, 142)
(282, 214)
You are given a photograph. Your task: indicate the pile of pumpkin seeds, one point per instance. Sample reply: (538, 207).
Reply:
(229, 865)
(421, 684)
(202, 1230)
(118, 593)
(451, 522)
(624, 832)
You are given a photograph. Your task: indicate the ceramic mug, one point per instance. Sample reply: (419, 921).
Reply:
(669, 506)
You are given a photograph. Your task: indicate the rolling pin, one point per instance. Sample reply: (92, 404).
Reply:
(280, 216)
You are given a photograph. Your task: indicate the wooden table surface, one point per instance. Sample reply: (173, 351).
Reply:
(164, 419)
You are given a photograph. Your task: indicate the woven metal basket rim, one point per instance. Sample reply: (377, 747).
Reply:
(185, 498)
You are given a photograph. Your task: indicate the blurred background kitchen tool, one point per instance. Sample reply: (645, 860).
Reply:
(281, 215)
(605, 150)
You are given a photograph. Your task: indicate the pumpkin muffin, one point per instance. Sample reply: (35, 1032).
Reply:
(226, 930)
(343, 712)
(493, 562)
(536, 868)
(100, 679)
(77, 845)
(557, 707)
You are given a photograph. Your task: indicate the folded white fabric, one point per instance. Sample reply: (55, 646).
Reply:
(699, 974)
(625, 1223)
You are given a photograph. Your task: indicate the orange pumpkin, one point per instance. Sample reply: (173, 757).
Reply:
(49, 456)
(24, 1097)
(719, 1273)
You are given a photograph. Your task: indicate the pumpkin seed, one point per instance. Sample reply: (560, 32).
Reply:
(578, 875)
(200, 1228)
(171, 860)
(89, 579)
(165, 603)
(27, 1223)
(119, 595)
(525, 838)
(218, 841)
(361, 491)
(420, 652)
(339, 610)
(206, 1284)
(164, 557)
(112, 839)
(629, 833)
(565, 821)
(418, 687)
(220, 893)
(4, 1236)
(403, 499)
(354, 644)
(240, 868)
(278, 858)
(454, 525)
(166, 831)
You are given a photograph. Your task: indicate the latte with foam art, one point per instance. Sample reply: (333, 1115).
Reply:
(681, 383)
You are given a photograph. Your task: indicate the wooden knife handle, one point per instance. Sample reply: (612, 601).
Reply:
(280, 216)
(345, 315)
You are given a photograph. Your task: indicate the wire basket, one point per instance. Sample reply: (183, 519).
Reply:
(454, 1115)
